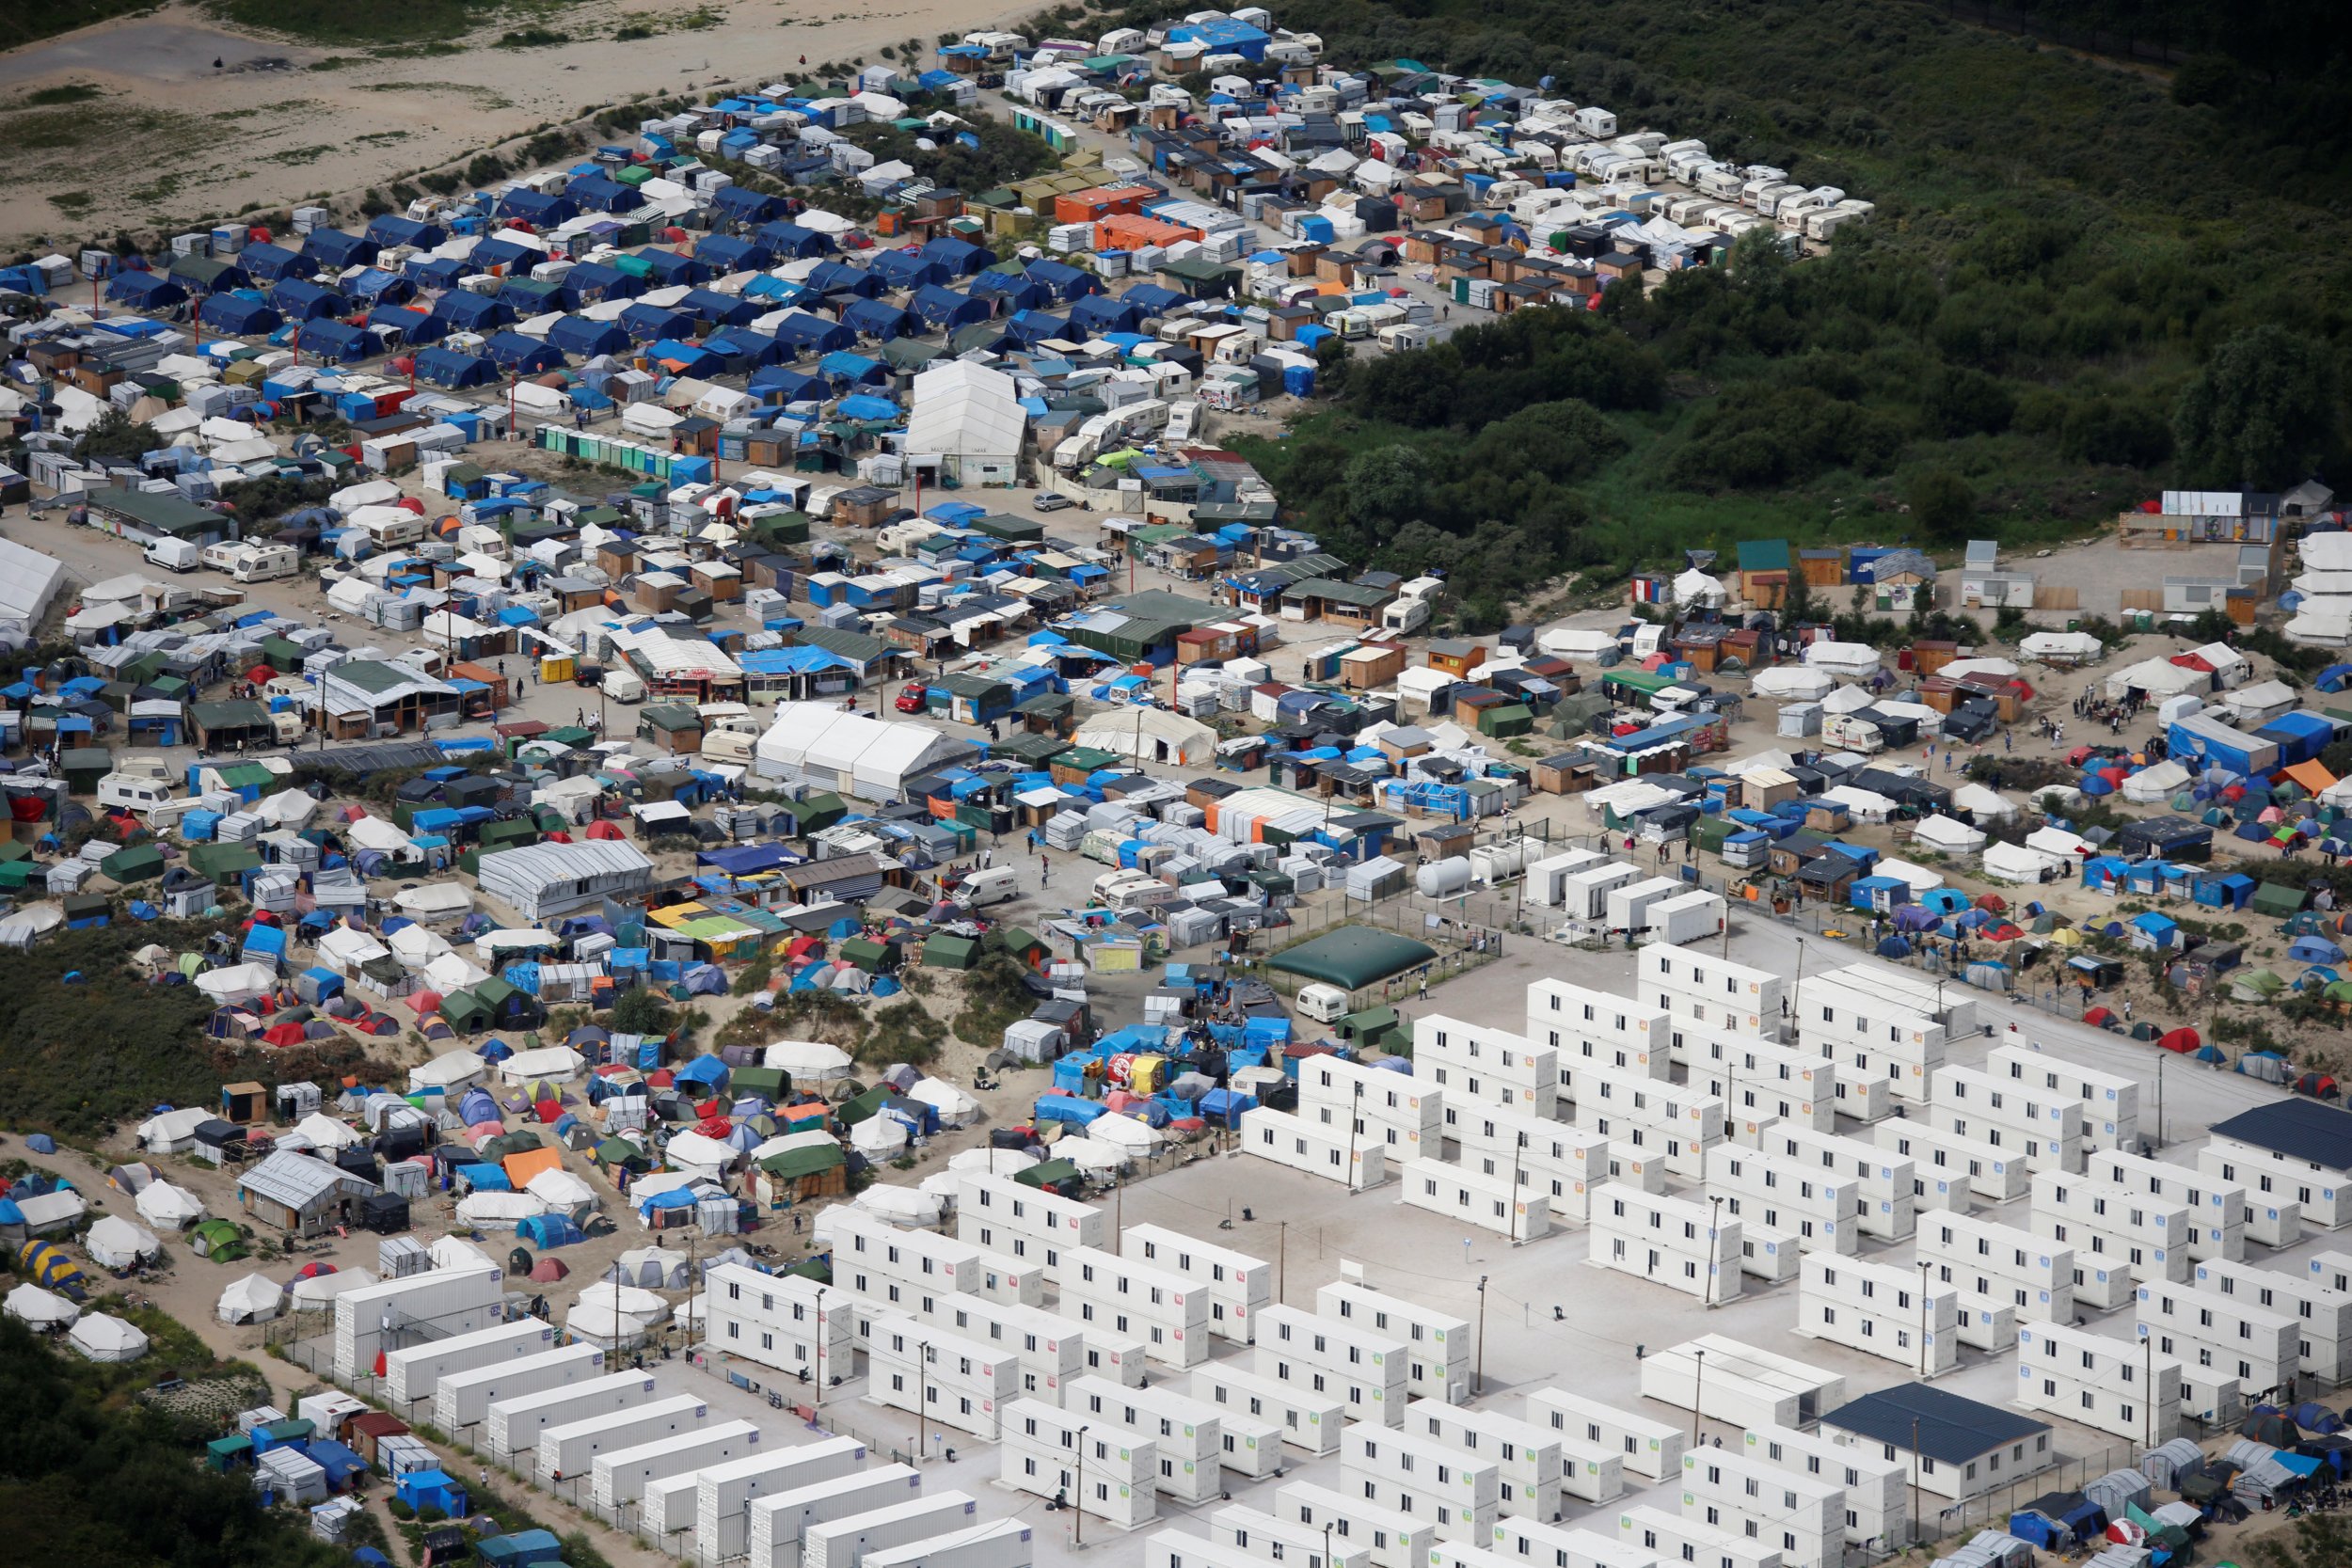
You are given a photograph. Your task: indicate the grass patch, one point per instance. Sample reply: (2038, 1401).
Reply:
(69, 92)
(29, 21)
(635, 27)
(299, 155)
(355, 21)
(73, 203)
(531, 38)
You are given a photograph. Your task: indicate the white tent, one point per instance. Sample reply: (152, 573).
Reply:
(449, 1072)
(1917, 877)
(2060, 647)
(807, 1061)
(1846, 698)
(550, 1061)
(1995, 669)
(2010, 862)
(1985, 805)
(318, 1294)
(320, 1131)
(1791, 683)
(992, 1161)
(168, 1208)
(1853, 660)
(103, 1338)
(25, 927)
(615, 1315)
(499, 1211)
(115, 1243)
(433, 901)
(1125, 1133)
(696, 1154)
(2159, 678)
(237, 982)
(1867, 805)
(250, 1300)
(880, 1134)
(824, 746)
(562, 1192)
(649, 1268)
(1091, 1153)
(901, 1205)
(1576, 642)
(1949, 837)
(953, 1102)
(969, 418)
(1150, 735)
(2154, 786)
(172, 1132)
(415, 947)
(1696, 589)
(40, 1308)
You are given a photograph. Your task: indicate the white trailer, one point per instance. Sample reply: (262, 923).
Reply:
(1034, 1225)
(415, 1373)
(1467, 1194)
(1263, 1537)
(621, 1476)
(1874, 1484)
(778, 1524)
(1691, 1541)
(1674, 1242)
(1304, 1420)
(846, 1541)
(1710, 987)
(1368, 1371)
(1002, 1543)
(1645, 1446)
(1953, 1167)
(956, 1381)
(1542, 1546)
(416, 1309)
(1395, 1540)
(724, 1493)
(1188, 1433)
(514, 1425)
(2216, 1209)
(1235, 1283)
(1726, 1380)
(569, 1451)
(1309, 1146)
(462, 1401)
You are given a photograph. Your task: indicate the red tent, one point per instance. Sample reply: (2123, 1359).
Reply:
(600, 828)
(1992, 901)
(2100, 1016)
(283, 1034)
(2181, 1040)
(546, 1270)
(425, 1002)
(559, 838)
(548, 1110)
(260, 674)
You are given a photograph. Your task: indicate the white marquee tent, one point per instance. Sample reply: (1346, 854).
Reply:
(828, 748)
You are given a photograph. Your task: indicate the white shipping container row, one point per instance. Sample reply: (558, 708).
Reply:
(1453, 1520)
(785, 1323)
(2275, 1226)
(1264, 1537)
(1598, 1031)
(1880, 1310)
(1658, 1117)
(514, 1425)
(1440, 1346)
(1307, 1145)
(2113, 1386)
(1460, 1490)
(1402, 1113)
(1470, 1198)
(1033, 1226)
(1542, 1546)
(776, 1524)
(843, 1543)
(1692, 1541)
(1951, 1167)
(415, 1373)
(1159, 1305)
(1888, 1184)
(419, 1308)
(1114, 1477)
(2226, 1335)
(1873, 1484)
(724, 1493)
(1771, 1256)
(462, 1401)
(1366, 1371)
(1003, 1543)
(1760, 1188)
(570, 1451)
(2324, 1198)
(1729, 1381)
(1711, 989)
(1529, 1460)
(1117, 1358)
(2112, 1228)
(867, 1250)
(1989, 1259)
(1757, 1079)
(1804, 1516)
(1668, 1240)
(2111, 1102)
(1305, 1420)
(1393, 1540)
(665, 1510)
(1473, 1064)
(1175, 1550)
(956, 1381)
(2323, 1312)
(1187, 1433)
(1872, 1037)
(1546, 1156)
(619, 1478)
(1645, 1445)
(2042, 1125)
(1049, 1348)
(1235, 1283)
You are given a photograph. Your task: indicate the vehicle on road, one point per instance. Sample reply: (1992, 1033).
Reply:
(1048, 500)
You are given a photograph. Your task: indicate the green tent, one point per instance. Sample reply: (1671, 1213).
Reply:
(620, 1152)
(1353, 956)
(134, 865)
(794, 1163)
(865, 952)
(1051, 1174)
(821, 810)
(947, 951)
(222, 862)
(465, 1012)
(216, 1239)
(2277, 899)
(1508, 720)
(770, 1084)
(863, 1107)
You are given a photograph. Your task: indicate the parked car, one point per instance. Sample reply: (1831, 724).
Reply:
(1048, 500)
(910, 698)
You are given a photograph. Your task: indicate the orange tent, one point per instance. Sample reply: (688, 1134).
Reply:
(520, 1168)
(2311, 776)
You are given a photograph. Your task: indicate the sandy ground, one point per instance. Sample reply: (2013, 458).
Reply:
(203, 144)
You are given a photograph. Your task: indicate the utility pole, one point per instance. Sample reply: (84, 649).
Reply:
(2147, 1386)
(1924, 1266)
(1078, 1519)
(1281, 1263)
(1714, 1263)
(2160, 1055)
(1698, 1381)
(1478, 1375)
(922, 1399)
(1917, 1523)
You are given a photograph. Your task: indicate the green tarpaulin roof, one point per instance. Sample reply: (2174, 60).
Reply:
(1354, 957)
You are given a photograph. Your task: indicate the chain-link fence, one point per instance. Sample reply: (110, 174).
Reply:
(1991, 1509)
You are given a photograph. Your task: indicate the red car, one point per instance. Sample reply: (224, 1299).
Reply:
(910, 698)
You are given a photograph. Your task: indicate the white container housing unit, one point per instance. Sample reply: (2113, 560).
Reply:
(2322, 1311)
(1726, 1380)
(1886, 1186)
(1402, 1114)
(2320, 1194)
(1656, 1118)
(1394, 1540)
(2042, 1124)
(416, 1309)
(2113, 1386)
(1423, 1477)
(1537, 1154)
(1301, 1144)
(1874, 1031)
(1998, 1268)
(2216, 1209)
(515, 1424)
(1467, 1195)
(995, 1543)
(1888, 1310)
(1538, 1545)
(1764, 1190)
(2118, 1236)
(1692, 1541)
(1236, 1284)
(1711, 989)
(415, 1373)
(1470, 1065)
(2111, 1102)
(1674, 1242)
(953, 1381)
(1365, 1371)
(462, 1401)
(872, 1255)
(621, 1477)
(1528, 1458)
(571, 1451)
(1161, 1308)
(1951, 1168)
(1873, 1484)
(1263, 1537)
(1098, 1467)
(1590, 1030)
(1049, 1348)
(1190, 1433)
(1802, 1516)
(2227, 1345)
(1439, 1347)
(1758, 1082)
(1303, 1417)
(1645, 1446)
(776, 1526)
(1031, 1224)
(851, 1540)
(785, 1323)
(724, 1493)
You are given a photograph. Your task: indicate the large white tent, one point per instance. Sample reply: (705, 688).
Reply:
(38, 1309)
(968, 418)
(168, 1208)
(808, 1061)
(2060, 647)
(1792, 683)
(250, 1300)
(828, 748)
(104, 1338)
(115, 1243)
(1852, 661)
(1150, 735)
(541, 879)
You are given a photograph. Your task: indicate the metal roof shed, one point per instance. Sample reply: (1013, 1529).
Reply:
(540, 880)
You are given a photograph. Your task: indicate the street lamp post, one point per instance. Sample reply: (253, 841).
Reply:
(1698, 1381)
(1714, 1231)
(1078, 1519)
(1924, 1266)
(1478, 1374)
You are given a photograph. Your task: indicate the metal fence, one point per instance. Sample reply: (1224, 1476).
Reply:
(1991, 1511)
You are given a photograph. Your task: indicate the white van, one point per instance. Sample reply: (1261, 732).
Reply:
(992, 885)
(1322, 1003)
(622, 686)
(174, 555)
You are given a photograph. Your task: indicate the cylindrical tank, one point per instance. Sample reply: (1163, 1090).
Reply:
(1443, 879)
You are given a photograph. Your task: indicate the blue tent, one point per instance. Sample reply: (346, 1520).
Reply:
(961, 258)
(240, 315)
(1031, 328)
(645, 323)
(742, 348)
(144, 291)
(1100, 313)
(389, 230)
(724, 253)
(866, 407)
(536, 207)
(473, 312)
(423, 1489)
(790, 242)
(2314, 950)
(1017, 291)
(448, 368)
(300, 300)
(718, 310)
(671, 268)
(944, 309)
(578, 335)
(708, 1070)
(597, 194)
(745, 205)
(1067, 282)
(874, 318)
(334, 248)
(269, 263)
(840, 277)
(406, 325)
(809, 333)
(548, 1232)
(434, 272)
(854, 370)
(907, 269)
(375, 286)
(512, 351)
(682, 358)
(334, 343)
(592, 281)
(778, 384)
